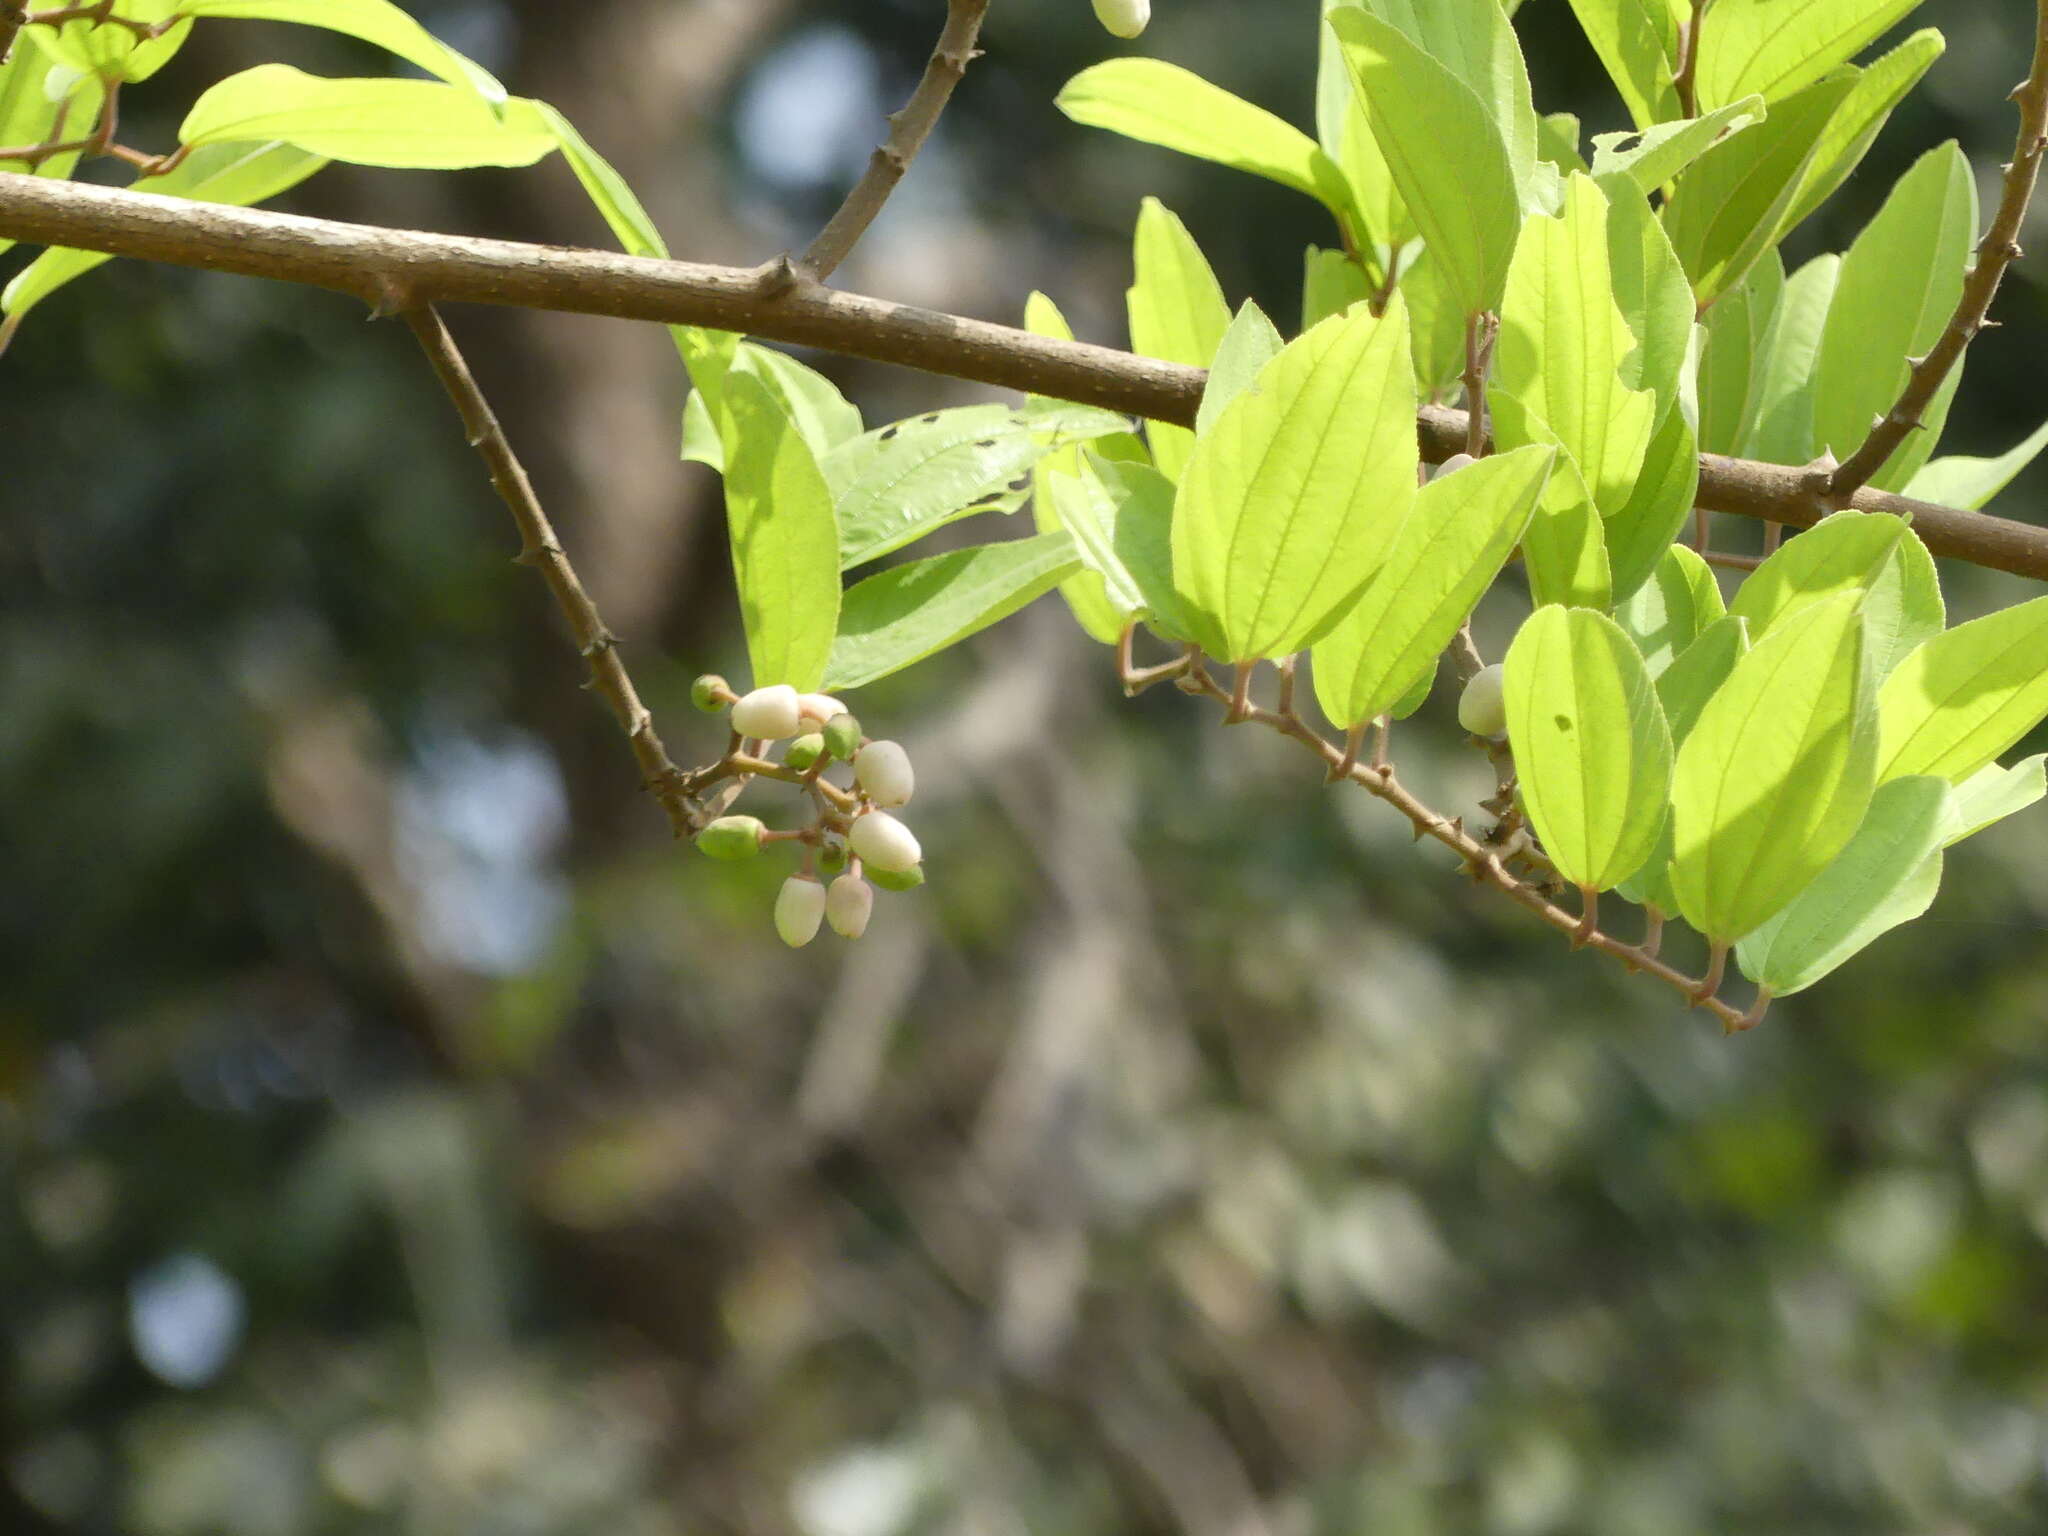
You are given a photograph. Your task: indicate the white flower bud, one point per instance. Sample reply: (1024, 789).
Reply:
(1452, 465)
(883, 841)
(767, 713)
(1124, 18)
(799, 909)
(820, 707)
(1481, 709)
(882, 768)
(849, 903)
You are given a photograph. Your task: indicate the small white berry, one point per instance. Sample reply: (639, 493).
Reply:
(849, 903)
(820, 707)
(1124, 18)
(1452, 465)
(799, 909)
(882, 768)
(767, 713)
(1481, 709)
(883, 841)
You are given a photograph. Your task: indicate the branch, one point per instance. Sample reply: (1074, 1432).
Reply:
(908, 129)
(1684, 80)
(13, 17)
(539, 547)
(372, 264)
(1999, 248)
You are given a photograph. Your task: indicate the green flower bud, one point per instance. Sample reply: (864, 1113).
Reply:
(1481, 709)
(897, 879)
(883, 842)
(732, 837)
(767, 713)
(882, 769)
(1124, 18)
(849, 903)
(821, 707)
(799, 909)
(803, 752)
(842, 737)
(710, 693)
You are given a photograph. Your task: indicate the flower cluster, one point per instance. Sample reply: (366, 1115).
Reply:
(853, 840)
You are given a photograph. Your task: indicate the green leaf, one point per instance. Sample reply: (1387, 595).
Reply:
(1379, 216)
(1776, 774)
(784, 547)
(1772, 48)
(35, 88)
(1249, 344)
(1991, 794)
(909, 612)
(894, 485)
(114, 53)
(1670, 610)
(1971, 483)
(1652, 293)
(238, 174)
(1436, 326)
(1177, 311)
(1642, 530)
(821, 414)
(1563, 341)
(1160, 103)
(1144, 541)
(374, 21)
(1966, 695)
(1557, 140)
(1331, 283)
(1887, 875)
(1783, 414)
(1904, 609)
(1591, 745)
(1651, 156)
(1447, 155)
(1899, 285)
(1565, 548)
(1843, 553)
(1730, 204)
(1638, 42)
(1732, 355)
(1294, 496)
(1854, 127)
(1086, 592)
(1084, 507)
(417, 124)
(1463, 529)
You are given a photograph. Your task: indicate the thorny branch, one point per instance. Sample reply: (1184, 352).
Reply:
(908, 130)
(1997, 251)
(1482, 860)
(362, 261)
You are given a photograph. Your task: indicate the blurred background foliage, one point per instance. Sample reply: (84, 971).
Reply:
(401, 1136)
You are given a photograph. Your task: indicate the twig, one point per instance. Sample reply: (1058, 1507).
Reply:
(1730, 562)
(539, 547)
(1997, 251)
(908, 130)
(13, 17)
(1480, 329)
(1685, 80)
(101, 13)
(364, 262)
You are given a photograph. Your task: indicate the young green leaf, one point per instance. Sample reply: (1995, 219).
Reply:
(1082, 505)
(239, 174)
(1854, 127)
(35, 91)
(1782, 417)
(823, 415)
(1772, 48)
(1331, 282)
(1732, 355)
(113, 54)
(1177, 313)
(1638, 42)
(1557, 140)
(374, 21)
(909, 612)
(1776, 773)
(1436, 325)
(1887, 875)
(784, 547)
(1591, 744)
(1294, 496)
(416, 124)
(1991, 794)
(1086, 592)
(1898, 286)
(1651, 291)
(1730, 205)
(1651, 156)
(1966, 695)
(1904, 609)
(1662, 498)
(1563, 341)
(1159, 103)
(1453, 545)
(1143, 540)
(894, 485)
(1842, 553)
(1970, 482)
(1251, 342)
(1565, 548)
(1671, 609)
(1447, 155)
(1378, 215)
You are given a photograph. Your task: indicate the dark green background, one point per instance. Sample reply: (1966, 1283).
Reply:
(1191, 1155)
